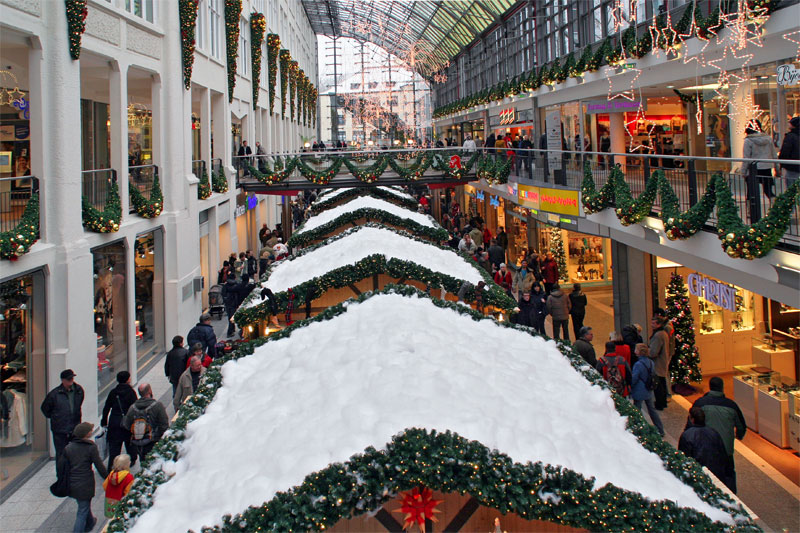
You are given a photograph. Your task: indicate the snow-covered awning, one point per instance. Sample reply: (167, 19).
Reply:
(340, 196)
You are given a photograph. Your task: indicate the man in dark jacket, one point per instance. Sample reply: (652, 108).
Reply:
(230, 296)
(118, 401)
(704, 445)
(204, 334)
(790, 149)
(558, 307)
(79, 456)
(497, 254)
(723, 416)
(577, 300)
(62, 406)
(151, 410)
(584, 345)
(525, 316)
(252, 263)
(632, 335)
(175, 362)
(549, 272)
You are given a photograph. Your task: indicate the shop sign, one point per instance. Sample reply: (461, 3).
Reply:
(479, 195)
(561, 201)
(494, 201)
(594, 107)
(508, 116)
(244, 204)
(788, 74)
(554, 137)
(720, 294)
(528, 196)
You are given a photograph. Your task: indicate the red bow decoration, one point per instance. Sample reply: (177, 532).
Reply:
(455, 161)
(418, 505)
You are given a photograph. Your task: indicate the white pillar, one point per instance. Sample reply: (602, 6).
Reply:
(118, 117)
(205, 129)
(738, 120)
(157, 124)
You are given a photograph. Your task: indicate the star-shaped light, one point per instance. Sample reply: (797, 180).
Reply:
(628, 93)
(788, 37)
(15, 96)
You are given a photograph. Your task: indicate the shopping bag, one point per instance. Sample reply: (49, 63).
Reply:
(102, 442)
(60, 489)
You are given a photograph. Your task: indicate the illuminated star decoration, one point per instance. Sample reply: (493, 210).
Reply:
(743, 25)
(788, 37)
(418, 505)
(745, 111)
(670, 37)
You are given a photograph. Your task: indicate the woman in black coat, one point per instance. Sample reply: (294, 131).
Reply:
(118, 401)
(81, 454)
(539, 303)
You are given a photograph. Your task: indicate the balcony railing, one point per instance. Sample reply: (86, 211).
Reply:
(198, 166)
(96, 185)
(142, 177)
(14, 196)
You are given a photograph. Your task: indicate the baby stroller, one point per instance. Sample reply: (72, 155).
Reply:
(216, 306)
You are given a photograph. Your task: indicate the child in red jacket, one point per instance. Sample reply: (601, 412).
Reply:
(118, 483)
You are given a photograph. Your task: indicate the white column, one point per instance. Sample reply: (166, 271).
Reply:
(157, 124)
(205, 128)
(738, 120)
(118, 116)
(221, 135)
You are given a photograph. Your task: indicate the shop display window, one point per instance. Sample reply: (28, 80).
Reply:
(146, 255)
(110, 315)
(794, 401)
(744, 318)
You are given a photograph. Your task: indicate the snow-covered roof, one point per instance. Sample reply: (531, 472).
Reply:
(360, 203)
(337, 192)
(339, 385)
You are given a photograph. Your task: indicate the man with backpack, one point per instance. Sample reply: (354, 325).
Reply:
(643, 383)
(615, 370)
(147, 421)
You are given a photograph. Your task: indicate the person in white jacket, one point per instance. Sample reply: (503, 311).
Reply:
(758, 146)
(469, 144)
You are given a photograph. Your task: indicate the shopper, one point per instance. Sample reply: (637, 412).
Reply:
(615, 370)
(523, 279)
(497, 254)
(642, 385)
(577, 300)
(622, 349)
(203, 333)
(704, 445)
(117, 484)
(503, 278)
(723, 416)
(466, 245)
(62, 406)
(525, 310)
(486, 237)
(118, 401)
(558, 307)
(502, 240)
(758, 146)
(539, 306)
(174, 363)
(469, 145)
(189, 381)
(147, 421)
(632, 335)
(488, 146)
(476, 233)
(230, 297)
(790, 149)
(669, 327)
(659, 351)
(78, 457)
(584, 345)
(549, 272)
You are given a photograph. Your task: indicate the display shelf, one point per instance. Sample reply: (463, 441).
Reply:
(745, 390)
(773, 415)
(794, 420)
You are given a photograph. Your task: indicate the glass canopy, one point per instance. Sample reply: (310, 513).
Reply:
(425, 34)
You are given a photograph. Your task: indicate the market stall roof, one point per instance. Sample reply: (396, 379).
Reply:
(425, 33)
(296, 409)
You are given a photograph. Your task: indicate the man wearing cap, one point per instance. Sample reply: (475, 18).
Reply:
(62, 406)
(81, 454)
(203, 333)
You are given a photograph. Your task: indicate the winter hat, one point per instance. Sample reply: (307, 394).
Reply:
(83, 430)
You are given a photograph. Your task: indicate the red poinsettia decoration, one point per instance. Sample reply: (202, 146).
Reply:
(418, 505)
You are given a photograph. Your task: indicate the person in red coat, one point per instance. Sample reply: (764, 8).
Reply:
(622, 349)
(503, 278)
(549, 272)
(197, 351)
(487, 236)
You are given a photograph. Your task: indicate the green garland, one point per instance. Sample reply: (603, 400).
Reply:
(414, 171)
(444, 462)
(285, 59)
(147, 208)
(187, 13)
(303, 238)
(107, 220)
(457, 173)
(219, 183)
(76, 25)
(233, 10)
(319, 177)
(17, 241)
(328, 203)
(368, 174)
(271, 177)
(293, 73)
(258, 25)
(273, 47)
(738, 239)
(204, 187)
(494, 170)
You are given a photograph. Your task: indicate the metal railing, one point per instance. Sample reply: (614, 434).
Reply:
(142, 178)
(14, 196)
(96, 185)
(198, 166)
(216, 165)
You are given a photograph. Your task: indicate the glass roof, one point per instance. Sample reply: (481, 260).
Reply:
(425, 34)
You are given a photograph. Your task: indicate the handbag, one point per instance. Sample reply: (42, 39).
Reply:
(60, 489)
(101, 440)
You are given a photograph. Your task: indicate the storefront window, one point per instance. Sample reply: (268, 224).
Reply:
(23, 438)
(517, 230)
(148, 271)
(110, 315)
(140, 135)
(588, 257)
(15, 138)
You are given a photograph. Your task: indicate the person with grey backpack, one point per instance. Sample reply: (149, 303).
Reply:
(643, 385)
(147, 421)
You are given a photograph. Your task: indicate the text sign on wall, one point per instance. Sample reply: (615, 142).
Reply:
(717, 293)
(529, 196)
(788, 74)
(508, 116)
(561, 201)
(612, 106)
(553, 137)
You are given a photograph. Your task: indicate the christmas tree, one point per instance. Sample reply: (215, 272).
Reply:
(557, 247)
(685, 364)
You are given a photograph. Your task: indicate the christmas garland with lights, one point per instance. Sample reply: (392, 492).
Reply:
(494, 170)
(739, 240)
(285, 59)
(271, 177)
(314, 98)
(376, 192)
(187, 13)
(415, 170)
(233, 10)
(368, 174)
(319, 177)
(219, 183)
(273, 47)
(293, 73)
(17, 241)
(107, 220)
(444, 462)
(302, 82)
(303, 238)
(455, 172)
(76, 25)
(204, 187)
(147, 208)
(258, 25)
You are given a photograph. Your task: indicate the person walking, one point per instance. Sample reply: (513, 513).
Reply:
(118, 401)
(584, 345)
(723, 416)
(230, 297)
(549, 272)
(466, 244)
(632, 335)
(790, 149)
(577, 311)
(703, 444)
(147, 421)
(502, 239)
(497, 254)
(758, 146)
(175, 362)
(469, 145)
(524, 316)
(189, 381)
(117, 484)
(503, 278)
(62, 406)
(622, 349)
(642, 379)
(488, 146)
(78, 457)
(523, 279)
(558, 306)
(615, 370)
(203, 333)
(539, 300)
(659, 352)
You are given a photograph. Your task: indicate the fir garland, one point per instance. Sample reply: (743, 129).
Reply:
(258, 25)
(327, 203)
(319, 177)
(285, 59)
(233, 10)
(76, 25)
(293, 72)
(147, 208)
(441, 165)
(494, 170)
(271, 177)
(273, 47)
(17, 241)
(445, 462)
(187, 13)
(414, 171)
(685, 364)
(219, 183)
(368, 174)
(107, 220)
(204, 187)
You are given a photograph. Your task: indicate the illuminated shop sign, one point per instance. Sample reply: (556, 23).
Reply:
(717, 293)
(494, 201)
(788, 74)
(612, 106)
(479, 195)
(508, 116)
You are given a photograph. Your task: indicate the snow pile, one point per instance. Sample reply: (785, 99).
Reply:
(333, 193)
(358, 245)
(336, 387)
(364, 202)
